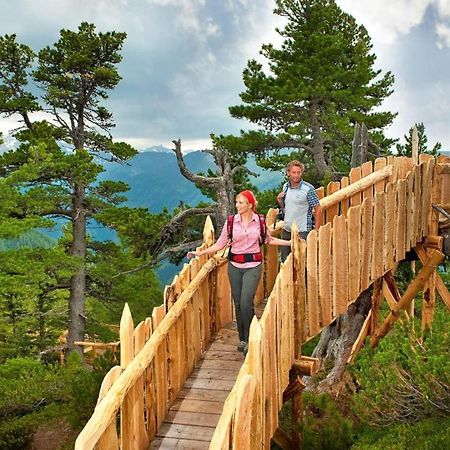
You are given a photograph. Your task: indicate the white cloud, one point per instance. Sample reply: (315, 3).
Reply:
(188, 15)
(385, 20)
(443, 31)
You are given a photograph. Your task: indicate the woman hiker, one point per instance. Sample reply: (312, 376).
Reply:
(247, 231)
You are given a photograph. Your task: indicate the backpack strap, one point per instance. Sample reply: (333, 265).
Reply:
(230, 223)
(262, 228)
(285, 189)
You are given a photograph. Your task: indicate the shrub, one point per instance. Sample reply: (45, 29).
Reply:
(407, 378)
(323, 426)
(429, 434)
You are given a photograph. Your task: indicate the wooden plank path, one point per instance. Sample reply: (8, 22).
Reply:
(192, 419)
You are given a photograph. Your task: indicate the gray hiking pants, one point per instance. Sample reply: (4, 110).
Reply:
(244, 283)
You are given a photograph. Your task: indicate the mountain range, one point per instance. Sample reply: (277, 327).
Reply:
(156, 182)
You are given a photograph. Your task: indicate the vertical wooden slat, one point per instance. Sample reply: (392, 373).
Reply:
(109, 439)
(243, 417)
(410, 206)
(271, 267)
(325, 273)
(321, 194)
(354, 251)
(417, 208)
(378, 235)
(400, 229)
(198, 324)
(390, 216)
(437, 199)
(183, 344)
(273, 394)
(344, 204)
(330, 212)
(128, 427)
(173, 366)
(355, 175)
(312, 283)
(265, 377)
(379, 164)
(367, 169)
(279, 332)
(190, 324)
(299, 281)
(340, 266)
(259, 294)
(255, 368)
(426, 196)
(366, 241)
(150, 396)
(286, 358)
(160, 366)
(224, 302)
(139, 391)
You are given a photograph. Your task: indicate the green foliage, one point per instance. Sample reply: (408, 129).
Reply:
(406, 149)
(323, 426)
(33, 393)
(429, 434)
(320, 82)
(82, 387)
(25, 383)
(407, 378)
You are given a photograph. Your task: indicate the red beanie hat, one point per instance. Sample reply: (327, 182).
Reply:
(250, 197)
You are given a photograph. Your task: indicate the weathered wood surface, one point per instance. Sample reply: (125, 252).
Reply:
(372, 220)
(193, 416)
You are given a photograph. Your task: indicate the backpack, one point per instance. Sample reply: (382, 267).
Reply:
(280, 215)
(262, 228)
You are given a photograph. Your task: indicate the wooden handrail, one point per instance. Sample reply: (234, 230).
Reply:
(109, 405)
(356, 187)
(292, 315)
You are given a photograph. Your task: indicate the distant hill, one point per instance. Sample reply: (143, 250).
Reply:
(30, 239)
(156, 182)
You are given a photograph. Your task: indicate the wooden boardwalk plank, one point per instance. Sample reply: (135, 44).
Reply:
(192, 418)
(217, 374)
(179, 431)
(194, 414)
(211, 407)
(202, 394)
(164, 443)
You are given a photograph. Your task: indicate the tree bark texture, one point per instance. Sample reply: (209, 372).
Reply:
(78, 280)
(222, 184)
(337, 339)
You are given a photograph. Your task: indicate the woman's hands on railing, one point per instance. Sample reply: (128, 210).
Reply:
(193, 254)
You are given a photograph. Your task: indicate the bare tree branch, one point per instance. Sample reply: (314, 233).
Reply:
(208, 182)
(163, 255)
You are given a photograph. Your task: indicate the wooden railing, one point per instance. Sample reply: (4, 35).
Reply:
(370, 220)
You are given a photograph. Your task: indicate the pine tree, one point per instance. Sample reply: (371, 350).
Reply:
(56, 163)
(406, 149)
(319, 84)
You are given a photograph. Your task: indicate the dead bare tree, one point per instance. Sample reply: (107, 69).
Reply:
(222, 184)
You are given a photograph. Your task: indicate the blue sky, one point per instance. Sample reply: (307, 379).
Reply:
(183, 59)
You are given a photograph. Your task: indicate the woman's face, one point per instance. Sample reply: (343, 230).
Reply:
(242, 204)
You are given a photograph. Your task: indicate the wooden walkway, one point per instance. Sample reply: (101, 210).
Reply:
(192, 419)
